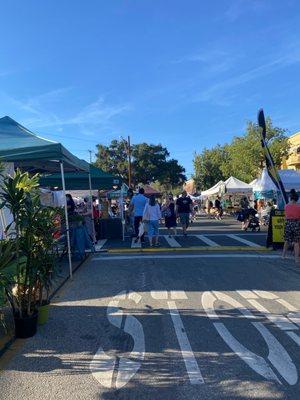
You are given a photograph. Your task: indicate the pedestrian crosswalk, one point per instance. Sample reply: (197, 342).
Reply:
(202, 241)
(207, 241)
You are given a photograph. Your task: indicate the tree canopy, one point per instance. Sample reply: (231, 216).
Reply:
(150, 163)
(242, 158)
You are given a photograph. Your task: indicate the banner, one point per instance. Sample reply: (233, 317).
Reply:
(272, 171)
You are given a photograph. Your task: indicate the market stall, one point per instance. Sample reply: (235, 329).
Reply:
(264, 188)
(33, 153)
(93, 180)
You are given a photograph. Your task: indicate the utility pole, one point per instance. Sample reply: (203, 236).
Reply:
(129, 161)
(90, 151)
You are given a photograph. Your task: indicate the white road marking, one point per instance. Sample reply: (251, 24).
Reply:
(238, 234)
(277, 355)
(135, 297)
(266, 295)
(279, 320)
(244, 241)
(127, 367)
(102, 366)
(257, 363)
(159, 294)
(183, 256)
(100, 244)
(135, 245)
(178, 295)
(294, 337)
(191, 365)
(171, 241)
(207, 241)
(287, 305)
(247, 294)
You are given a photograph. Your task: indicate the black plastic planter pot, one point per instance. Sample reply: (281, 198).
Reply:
(26, 327)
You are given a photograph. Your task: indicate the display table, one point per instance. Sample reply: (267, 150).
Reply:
(110, 228)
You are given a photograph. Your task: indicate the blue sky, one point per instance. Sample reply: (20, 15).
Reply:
(185, 73)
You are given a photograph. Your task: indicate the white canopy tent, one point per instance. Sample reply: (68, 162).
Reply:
(290, 179)
(213, 191)
(231, 186)
(234, 185)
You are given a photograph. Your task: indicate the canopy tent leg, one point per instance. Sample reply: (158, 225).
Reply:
(3, 223)
(91, 204)
(122, 213)
(67, 218)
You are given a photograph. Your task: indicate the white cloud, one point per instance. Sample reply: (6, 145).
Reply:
(38, 112)
(238, 8)
(222, 91)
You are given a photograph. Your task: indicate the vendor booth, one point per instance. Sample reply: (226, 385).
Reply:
(264, 188)
(107, 227)
(32, 153)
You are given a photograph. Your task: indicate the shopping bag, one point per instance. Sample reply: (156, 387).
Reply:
(141, 229)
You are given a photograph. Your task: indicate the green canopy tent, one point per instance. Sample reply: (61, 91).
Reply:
(100, 180)
(32, 153)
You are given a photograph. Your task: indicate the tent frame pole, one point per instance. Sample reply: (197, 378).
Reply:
(122, 213)
(67, 218)
(91, 205)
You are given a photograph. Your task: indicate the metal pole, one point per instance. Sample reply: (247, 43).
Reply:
(122, 213)
(3, 223)
(129, 162)
(67, 218)
(91, 204)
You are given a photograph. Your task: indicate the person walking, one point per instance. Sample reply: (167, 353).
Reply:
(151, 216)
(245, 212)
(137, 206)
(219, 209)
(292, 226)
(183, 210)
(168, 212)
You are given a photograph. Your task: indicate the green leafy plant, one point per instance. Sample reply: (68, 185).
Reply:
(32, 235)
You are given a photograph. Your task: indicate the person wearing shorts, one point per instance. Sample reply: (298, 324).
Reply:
(292, 226)
(151, 216)
(183, 210)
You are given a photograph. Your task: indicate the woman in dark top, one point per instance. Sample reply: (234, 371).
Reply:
(70, 204)
(170, 215)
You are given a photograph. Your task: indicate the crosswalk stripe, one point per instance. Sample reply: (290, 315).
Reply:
(100, 244)
(189, 359)
(171, 241)
(136, 245)
(207, 241)
(245, 241)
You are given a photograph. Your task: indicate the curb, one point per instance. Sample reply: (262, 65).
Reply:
(195, 248)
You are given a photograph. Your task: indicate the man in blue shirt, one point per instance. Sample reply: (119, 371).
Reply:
(137, 206)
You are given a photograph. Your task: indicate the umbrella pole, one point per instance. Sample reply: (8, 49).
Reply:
(92, 211)
(67, 218)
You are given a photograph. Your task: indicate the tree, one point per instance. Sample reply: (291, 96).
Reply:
(149, 163)
(113, 158)
(245, 154)
(243, 157)
(207, 166)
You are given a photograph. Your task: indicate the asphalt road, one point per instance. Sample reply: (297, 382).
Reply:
(207, 325)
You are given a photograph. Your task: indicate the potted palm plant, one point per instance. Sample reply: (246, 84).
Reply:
(45, 229)
(20, 194)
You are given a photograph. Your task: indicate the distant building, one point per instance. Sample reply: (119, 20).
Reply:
(190, 186)
(293, 160)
